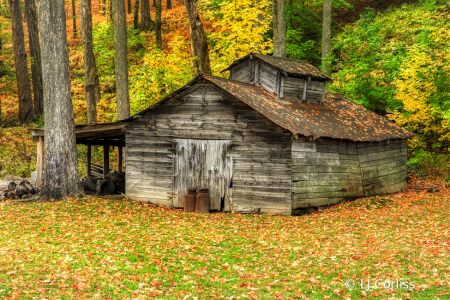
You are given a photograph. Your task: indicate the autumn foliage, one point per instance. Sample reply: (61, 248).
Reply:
(108, 249)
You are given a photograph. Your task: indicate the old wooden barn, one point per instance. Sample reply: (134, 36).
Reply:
(268, 139)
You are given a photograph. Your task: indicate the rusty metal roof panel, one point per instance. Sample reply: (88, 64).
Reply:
(294, 67)
(337, 117)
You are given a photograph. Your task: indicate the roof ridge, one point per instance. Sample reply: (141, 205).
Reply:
(227, 79)
(284, 58)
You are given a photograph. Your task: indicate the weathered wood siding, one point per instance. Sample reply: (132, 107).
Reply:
(324, 172)
(329, 171)
(268, 77)
(204, 163)
(315, 91)
(149, 166)
(259, 149)
(242, 72)
(261, 166)
(293, 89)
(260, 73)
(383, 166)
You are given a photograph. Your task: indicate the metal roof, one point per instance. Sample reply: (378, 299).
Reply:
(287, 66)
(92, 131)
(337, 117)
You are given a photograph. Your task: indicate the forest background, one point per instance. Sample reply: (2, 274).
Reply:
(391, 56)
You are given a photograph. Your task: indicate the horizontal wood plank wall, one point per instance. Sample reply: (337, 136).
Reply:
(260, 150)
(268, 77)
(324, 172)
(314, 91)
(383, 166)
(149, 167)
(293, 88)
(242, 72)
(261, 165)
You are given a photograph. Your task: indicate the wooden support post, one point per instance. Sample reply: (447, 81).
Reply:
(256, 73)
(278, 85)
(304, 90)
(281, 94)
(252, 70)
(40, 162)
(119, 159)
(105, 157)
(88, 165)
(324, 91)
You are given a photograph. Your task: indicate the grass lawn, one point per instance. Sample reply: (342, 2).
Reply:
(96, 248)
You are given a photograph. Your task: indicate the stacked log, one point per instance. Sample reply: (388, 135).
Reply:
(96, 171)
(113, 183)
(18, 191)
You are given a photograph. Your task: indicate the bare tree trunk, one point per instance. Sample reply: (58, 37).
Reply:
(260, 17)
(129, 6)
(1, 48)
(35, 53)
(198, 37)
(92, 84)
(279, 28)
(74, 18)
(158, 25)
(103, 7)
(136, 14)
(326, 34)
(20, 63)
(61, 160)
(169, 4)
(111, 17)
(146, 20)
(121, 61)
(195, 61)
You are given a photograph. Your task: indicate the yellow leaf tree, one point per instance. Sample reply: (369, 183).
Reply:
(238, 29)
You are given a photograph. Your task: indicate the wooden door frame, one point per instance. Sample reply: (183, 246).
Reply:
(229, 191)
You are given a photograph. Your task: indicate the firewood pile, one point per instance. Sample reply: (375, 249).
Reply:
(113, 183)
(18, 191)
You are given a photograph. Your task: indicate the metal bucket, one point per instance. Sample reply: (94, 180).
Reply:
(202, 201)
(189, 199)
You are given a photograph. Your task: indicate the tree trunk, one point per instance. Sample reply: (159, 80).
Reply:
(35, 53)
(169, 4)
(279, 28)
(61, 160)
(103, 7)
(74, 18)
(326, 34)
(121, 62)
(158, 25)
(260, 17)
(1, 48)
(20, 63)
(195, 62)
(92, 84)
(198, 37)
(136, 14)
(111, 17)
(146, 20)
(129, 6)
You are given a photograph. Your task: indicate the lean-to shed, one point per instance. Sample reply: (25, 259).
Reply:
(268, 139)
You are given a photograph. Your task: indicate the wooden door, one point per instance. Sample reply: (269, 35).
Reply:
(203, 163)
